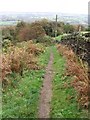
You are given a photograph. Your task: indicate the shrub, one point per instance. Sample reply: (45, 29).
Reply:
(47, 40)
(30, 31)
(18, 59)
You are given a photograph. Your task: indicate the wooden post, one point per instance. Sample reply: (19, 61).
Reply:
(56, 26)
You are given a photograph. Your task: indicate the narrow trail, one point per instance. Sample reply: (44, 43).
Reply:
(46, 92)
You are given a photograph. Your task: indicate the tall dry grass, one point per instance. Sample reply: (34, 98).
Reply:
(17, 59)
(80, 79)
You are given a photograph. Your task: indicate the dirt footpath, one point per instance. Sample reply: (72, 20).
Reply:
(46, 92)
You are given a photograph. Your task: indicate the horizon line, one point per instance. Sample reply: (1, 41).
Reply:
(10, 12)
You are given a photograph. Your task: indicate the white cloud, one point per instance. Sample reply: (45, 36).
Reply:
(68, 6)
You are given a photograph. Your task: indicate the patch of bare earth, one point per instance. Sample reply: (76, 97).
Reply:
(46, 92)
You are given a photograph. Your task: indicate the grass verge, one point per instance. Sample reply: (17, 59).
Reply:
(20, 98)
(64, 102)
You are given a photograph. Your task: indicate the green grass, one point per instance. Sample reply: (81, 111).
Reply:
(60, 36)
(83, 32)
(21, 97)
(6, 23)
(44, 57)
(22, 101)
(61, 105)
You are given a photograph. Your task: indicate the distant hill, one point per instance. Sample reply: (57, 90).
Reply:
(12, 18)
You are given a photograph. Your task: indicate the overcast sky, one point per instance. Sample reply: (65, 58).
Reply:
(63, 6)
